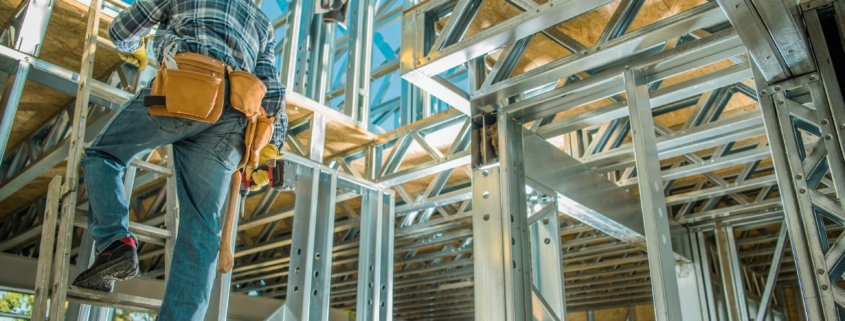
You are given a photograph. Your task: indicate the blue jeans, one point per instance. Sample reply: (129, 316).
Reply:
(206, 155)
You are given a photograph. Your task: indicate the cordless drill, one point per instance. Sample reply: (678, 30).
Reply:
(282, 175)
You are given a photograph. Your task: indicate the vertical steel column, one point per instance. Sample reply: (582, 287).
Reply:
(546, 267)
(830, 109)
(500, 230)
(693, 306)
(317, 137)
(300, 14)
(375, 258)
(800, 217)
(32, 28)
(322, 57)
(661, 260)
(356, 104)
(309, 280)
(701, 259)
(314, 56)
(415, 104)
(731, 273)
(71, 182)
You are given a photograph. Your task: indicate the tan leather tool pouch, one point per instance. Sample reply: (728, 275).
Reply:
(245, 93)
(263, 132)
(195, 91)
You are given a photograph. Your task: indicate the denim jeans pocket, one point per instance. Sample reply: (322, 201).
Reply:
(230, 150)
(173, 125)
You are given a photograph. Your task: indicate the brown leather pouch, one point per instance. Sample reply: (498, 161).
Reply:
(245, 93)
(195, 91)
(261, 137)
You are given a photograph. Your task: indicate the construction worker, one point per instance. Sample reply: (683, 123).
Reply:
(235, 34)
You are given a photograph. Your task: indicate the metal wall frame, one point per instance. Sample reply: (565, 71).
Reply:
(742, 202)
(436, 253)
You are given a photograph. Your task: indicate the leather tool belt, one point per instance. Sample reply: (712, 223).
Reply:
(196, 91)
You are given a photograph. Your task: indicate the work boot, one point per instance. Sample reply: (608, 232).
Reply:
(118, 262)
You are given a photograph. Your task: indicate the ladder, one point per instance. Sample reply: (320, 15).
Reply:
(52, 288)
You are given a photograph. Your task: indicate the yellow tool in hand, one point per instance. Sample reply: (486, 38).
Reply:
(261, 177)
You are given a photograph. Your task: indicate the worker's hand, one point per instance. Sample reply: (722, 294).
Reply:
(138, 57)
(261, 177)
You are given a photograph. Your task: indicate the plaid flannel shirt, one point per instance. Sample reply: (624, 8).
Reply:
(235, 32)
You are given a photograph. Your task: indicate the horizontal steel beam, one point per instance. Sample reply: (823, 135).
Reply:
(620, 48)
(521, 26)
(685, 141)
(583, 193)
(689, 56)
(740, 158)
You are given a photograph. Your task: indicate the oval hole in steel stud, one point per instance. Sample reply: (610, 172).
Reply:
(486, 217)
(485, 195)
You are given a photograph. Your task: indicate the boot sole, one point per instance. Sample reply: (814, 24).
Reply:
(103, 277)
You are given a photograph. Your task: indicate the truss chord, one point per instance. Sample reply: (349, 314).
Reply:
(805, 241)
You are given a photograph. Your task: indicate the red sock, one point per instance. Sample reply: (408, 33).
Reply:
(129, 240)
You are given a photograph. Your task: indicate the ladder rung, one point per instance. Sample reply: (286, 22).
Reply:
(106, 42)
(150, 167)
(144, 233)
(113, 300)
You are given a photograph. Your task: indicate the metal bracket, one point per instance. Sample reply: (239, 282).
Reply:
(485, 140)
(790, 84)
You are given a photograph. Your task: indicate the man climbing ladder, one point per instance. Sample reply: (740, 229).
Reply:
(215, 99)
